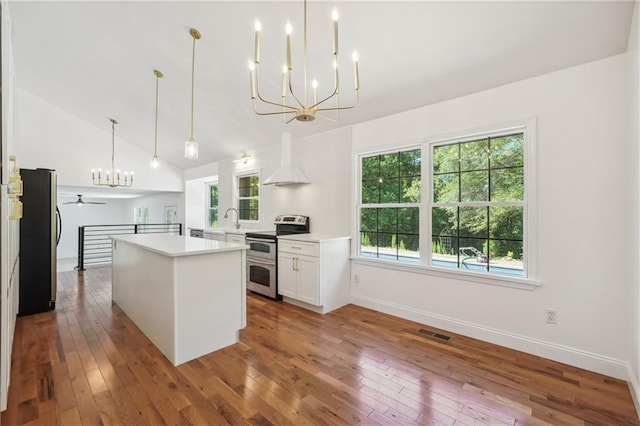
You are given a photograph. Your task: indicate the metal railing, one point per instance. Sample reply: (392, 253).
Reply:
(94, 242)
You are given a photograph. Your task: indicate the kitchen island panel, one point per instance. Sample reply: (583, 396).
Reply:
(188, 305)
(209, 304)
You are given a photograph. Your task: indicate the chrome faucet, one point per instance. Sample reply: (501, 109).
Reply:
(226, 215)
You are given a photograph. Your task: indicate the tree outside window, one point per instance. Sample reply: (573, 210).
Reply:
(477, 212)
(389, 209)
(248, 199)
(212, 209)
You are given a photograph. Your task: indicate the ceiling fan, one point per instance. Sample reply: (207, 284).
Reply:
(80, 202)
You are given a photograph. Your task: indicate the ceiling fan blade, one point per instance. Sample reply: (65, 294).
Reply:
(93, 202)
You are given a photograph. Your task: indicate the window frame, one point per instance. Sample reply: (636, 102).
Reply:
(207, 197)
(529, 280)
(236, 193)
(396, 205)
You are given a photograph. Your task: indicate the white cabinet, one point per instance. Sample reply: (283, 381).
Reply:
(314, 274)
(298, 277)
(235, 238)
(218, 236)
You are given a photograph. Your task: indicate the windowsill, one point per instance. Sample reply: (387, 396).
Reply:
(487, 278)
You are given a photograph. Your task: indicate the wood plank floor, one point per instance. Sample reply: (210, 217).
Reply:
(87, 363)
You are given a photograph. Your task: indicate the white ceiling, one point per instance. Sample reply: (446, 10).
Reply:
(96, 59)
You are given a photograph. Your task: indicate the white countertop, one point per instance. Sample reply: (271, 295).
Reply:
(313, 238)
(178, 245)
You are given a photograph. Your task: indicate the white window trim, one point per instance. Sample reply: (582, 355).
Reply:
(530, 244)
(207, 193)
(236, 195)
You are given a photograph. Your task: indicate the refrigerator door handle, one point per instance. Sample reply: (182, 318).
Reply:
(58, 226)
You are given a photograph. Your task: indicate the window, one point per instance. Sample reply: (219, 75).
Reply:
(248, 196)
(465, 209)
(390, 205)
(477, 209)
(212, 204)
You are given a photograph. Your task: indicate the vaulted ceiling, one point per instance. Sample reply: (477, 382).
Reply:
(96, 59)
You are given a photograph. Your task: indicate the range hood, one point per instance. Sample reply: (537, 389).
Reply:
(287, 174)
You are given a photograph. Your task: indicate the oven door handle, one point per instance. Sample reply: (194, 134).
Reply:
(259, 240)
(261, 262)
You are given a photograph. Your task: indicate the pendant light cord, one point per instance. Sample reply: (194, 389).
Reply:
(155, 143)
(193, 64)
(305, 54)
(113, 147)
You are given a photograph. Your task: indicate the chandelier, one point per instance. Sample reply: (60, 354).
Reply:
(112, 177)
(155, 161)
(191, 146)
(303, 108)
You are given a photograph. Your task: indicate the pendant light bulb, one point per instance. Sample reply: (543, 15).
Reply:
(191, 150)
(155, 162)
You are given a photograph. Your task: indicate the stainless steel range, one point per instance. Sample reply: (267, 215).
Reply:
(262, 256)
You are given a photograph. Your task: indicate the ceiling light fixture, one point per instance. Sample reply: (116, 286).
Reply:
(155, 161)
(191, 146)
(304, 110)
(113, 177)
(243, 159)
(80, 202)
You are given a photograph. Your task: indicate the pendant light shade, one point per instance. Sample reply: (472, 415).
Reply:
(155, 161)
(191, 146)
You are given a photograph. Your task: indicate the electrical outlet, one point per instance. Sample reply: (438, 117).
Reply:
(356, 279)
(551, 315)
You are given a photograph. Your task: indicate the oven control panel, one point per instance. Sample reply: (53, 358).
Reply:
(295, 219)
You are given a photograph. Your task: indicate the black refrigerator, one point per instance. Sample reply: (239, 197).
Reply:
(39, 231)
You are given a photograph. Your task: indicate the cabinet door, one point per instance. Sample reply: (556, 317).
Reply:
(287, 275)
(234, 238)
(308, 279)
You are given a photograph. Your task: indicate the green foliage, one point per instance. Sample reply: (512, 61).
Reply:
(213, 205)
(480, 171)
(392, 178)
(483, 170)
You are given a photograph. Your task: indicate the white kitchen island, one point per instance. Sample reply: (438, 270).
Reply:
(187, 295)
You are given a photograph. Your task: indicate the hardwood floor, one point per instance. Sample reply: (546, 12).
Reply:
(87, 363)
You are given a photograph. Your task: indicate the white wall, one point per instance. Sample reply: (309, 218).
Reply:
(115, 211)
(583, 189)
(326, 161)
(633, 51)
(156, 207)
(55, 139)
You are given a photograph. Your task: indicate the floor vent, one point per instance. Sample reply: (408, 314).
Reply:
(431, 334)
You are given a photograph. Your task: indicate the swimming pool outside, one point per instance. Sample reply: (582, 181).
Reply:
(470, 265)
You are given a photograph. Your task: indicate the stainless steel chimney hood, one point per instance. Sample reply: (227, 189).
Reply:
(286, 174)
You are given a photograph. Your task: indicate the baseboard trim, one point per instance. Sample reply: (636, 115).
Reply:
(634, 389)
(572, 356)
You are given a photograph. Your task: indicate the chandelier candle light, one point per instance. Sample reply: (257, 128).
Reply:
(113, 176)
(304, 110)
(155, 161)
(191, 146)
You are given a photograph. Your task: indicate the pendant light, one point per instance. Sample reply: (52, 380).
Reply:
(191, 146)
(112, 176)
(155, 161)
(303, 106)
